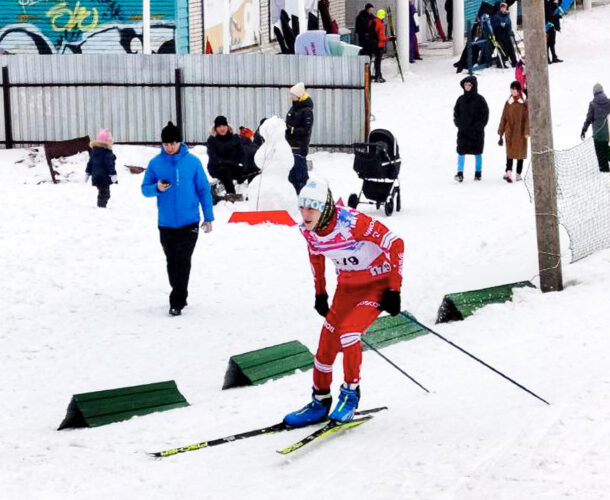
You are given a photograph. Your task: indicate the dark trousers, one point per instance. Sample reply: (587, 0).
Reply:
(298, 175)
(550, 42)
(378, 56)
(509, 165)
(509, 51)
(602, 152)
(178, 245)
(227, 174)
(103, 195)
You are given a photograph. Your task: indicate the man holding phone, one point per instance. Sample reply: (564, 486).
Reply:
(176, 178)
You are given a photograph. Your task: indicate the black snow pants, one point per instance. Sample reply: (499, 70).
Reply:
(602, 153)
(103, 195)
(178, 245)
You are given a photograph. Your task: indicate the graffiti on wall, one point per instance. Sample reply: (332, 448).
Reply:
(84, 26)
(239, 20)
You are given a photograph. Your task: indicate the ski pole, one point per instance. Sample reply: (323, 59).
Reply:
(517, 46)
(394, 364)
(474, 357)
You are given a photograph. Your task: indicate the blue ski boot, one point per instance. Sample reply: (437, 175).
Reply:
(316, 411)
(347, 404)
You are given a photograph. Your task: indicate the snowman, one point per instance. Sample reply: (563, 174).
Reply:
(271, 190)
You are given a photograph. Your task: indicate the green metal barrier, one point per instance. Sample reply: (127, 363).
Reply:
(256, 367)
(457, 306)
(92, 409)
(389, 330)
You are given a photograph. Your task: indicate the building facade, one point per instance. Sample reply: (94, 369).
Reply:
(91, 26)
(177, 26)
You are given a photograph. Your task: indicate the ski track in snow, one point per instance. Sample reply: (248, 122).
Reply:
(84, 303)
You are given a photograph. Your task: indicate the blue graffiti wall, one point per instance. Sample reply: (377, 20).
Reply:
(91, 26)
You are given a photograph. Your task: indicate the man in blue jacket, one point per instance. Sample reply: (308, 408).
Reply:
(177, 179)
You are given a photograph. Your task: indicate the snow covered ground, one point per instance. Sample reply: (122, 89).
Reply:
(84, 308)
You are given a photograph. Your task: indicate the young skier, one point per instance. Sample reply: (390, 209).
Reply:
(368, 260)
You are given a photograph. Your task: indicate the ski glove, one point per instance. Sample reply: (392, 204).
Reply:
(501, 141)
(321, 304)
(582, 136)
(390, 302)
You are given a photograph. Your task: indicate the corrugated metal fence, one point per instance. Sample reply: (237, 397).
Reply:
(56, 98)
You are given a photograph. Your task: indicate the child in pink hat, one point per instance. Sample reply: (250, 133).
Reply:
(100, 166)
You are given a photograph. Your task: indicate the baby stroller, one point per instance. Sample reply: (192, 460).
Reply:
(377, 163)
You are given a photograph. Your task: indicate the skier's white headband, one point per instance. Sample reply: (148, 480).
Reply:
(309, 203)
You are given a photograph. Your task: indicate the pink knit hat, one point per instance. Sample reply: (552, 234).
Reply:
(104, 136)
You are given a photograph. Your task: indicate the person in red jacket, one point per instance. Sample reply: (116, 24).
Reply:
(380, 39)
(368, 260)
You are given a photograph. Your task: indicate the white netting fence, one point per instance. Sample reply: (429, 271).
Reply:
(583, 198)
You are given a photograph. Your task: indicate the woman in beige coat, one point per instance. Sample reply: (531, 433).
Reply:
(515, 127)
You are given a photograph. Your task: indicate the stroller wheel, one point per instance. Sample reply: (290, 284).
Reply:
(389, 207)
(398, 200)
(378, 205)
(353, 200)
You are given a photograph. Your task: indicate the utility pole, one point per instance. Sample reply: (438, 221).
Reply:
(543, 158)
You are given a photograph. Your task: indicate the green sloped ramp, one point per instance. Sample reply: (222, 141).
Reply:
(457, 306)
(256, 367)
(92, 409)
(389, 330)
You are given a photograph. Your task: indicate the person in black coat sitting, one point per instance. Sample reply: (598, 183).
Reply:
(225, 155)
(299, 122)
(100, 166)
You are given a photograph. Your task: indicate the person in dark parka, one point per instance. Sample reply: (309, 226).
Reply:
(364, 28)
(225, 155)
(299, 123)
(100, 166)
(598, 113)
(470, 116)
(552, 17)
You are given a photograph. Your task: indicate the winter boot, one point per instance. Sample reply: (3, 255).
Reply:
(477, 176)
(518, 177)
(174, 311)
(347, 404)
(459, 177)
(508, 176)
(380, 79)
(316, 411)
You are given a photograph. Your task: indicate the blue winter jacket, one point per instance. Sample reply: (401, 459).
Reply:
(499, 19)
(101, 163)
(179, 205)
